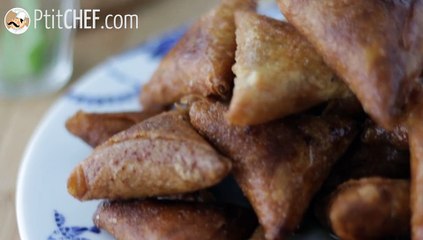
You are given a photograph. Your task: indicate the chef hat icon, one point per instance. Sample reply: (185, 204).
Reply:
(21, 15)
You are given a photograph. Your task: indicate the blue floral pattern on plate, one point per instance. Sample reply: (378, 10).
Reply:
(64, 232)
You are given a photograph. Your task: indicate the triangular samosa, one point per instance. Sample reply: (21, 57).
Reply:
(202, 60)
(160, 156)
(278, 72)
(168, 220)
(279, 165)
(376, 46)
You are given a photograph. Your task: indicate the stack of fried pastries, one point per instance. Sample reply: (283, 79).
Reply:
(319, 116)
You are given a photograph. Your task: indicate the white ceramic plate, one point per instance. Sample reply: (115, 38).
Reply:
(44, 208)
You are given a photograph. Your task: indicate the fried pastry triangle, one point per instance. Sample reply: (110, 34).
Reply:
(161, 156)
(280, 165)
(375, 46)
(202, 60)
(278, 72)
(174, 221)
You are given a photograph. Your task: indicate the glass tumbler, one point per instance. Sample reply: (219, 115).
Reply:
(35, 58)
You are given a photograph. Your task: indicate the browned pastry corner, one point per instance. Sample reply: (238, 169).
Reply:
(375, 46)
(202, 60)
(374, 134)
(369, 160)
(96, 128)
(146, 220)
(280, 165)
(415, 125)
(162, 155)
(370, 208)
(278, 72)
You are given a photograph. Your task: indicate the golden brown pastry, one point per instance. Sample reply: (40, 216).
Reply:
(278, 72)
(375, 46)
(377, 135)
(370, 208)
(160, 156)
(202, 60)
(148, 220)
(415, 125)
(280, 165)
(369, 160)
(96, 128)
